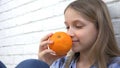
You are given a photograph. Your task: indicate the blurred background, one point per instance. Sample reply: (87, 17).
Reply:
(24, 22)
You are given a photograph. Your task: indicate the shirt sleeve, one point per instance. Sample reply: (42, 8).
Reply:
(58, 63)
(115, 63)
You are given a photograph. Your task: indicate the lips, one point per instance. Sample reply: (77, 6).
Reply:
(75, 40)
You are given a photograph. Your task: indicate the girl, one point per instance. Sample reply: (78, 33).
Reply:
(94, 46)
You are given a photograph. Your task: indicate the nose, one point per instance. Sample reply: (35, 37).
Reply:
(70, 32)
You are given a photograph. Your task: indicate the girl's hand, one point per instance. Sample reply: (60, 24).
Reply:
(45, 54)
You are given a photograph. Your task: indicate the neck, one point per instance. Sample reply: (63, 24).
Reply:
(84, 59)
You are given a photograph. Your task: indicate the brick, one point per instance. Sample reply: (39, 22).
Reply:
(116, 25)
(118, 40)
(27, 28)
(114, 9)
(21, 39)
(108, 1)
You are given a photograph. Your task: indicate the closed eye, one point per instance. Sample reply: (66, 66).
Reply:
(79, 27)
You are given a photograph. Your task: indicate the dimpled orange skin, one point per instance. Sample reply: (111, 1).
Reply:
(62, 43)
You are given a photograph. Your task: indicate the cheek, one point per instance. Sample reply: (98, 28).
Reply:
(91, 38)
(87, 36)
(81, 34)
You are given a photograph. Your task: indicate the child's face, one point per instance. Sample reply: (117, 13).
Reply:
(82, 31)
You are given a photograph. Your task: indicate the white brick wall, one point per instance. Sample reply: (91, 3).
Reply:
(114, 8)
(24, 22)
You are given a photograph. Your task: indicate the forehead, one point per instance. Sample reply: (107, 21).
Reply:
(72, 15)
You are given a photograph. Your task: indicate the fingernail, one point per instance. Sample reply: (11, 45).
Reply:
(50, 41)
(53, 53)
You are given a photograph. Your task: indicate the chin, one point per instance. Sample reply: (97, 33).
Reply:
(75, 50)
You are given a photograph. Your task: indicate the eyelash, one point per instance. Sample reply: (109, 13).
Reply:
(67, 27)
(78, 27)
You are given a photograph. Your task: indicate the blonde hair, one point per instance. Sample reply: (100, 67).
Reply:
(105, 46)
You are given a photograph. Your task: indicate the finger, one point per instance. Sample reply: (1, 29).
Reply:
(46, 37)
(46, 52)
(44, 45)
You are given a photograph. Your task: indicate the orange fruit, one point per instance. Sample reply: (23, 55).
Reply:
(62, 43)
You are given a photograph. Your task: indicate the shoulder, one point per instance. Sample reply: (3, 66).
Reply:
(58, 63)
(114, 63)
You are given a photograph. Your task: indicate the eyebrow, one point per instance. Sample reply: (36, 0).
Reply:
(75, 21)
